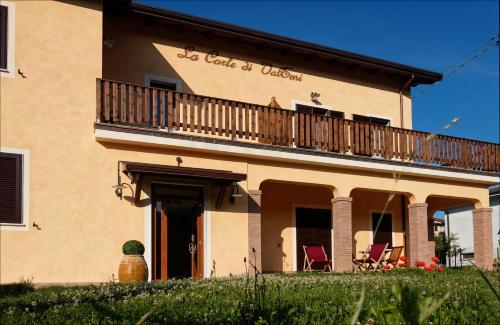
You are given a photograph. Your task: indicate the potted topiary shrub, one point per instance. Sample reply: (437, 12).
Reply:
(133, 267)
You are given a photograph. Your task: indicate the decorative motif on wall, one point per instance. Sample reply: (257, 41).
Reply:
(266, 68)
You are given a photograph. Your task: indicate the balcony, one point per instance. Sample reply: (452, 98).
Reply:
(180, 114)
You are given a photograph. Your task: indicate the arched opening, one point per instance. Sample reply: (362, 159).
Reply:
(388, 210)
(450, 226)
(293, 214)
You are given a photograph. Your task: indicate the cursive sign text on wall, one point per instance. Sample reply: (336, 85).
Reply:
(214, 57)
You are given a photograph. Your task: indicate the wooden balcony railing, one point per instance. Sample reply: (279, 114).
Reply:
(139, 106)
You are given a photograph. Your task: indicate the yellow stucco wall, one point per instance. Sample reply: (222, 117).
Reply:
(138, 50)
(364, 204)
(278, 225)
(51, 113)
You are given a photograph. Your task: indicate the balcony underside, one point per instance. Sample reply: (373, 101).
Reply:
(155, 137)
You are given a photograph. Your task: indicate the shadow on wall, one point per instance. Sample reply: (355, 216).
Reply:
(141, 154)
(129, 52)
(132, 51)
(279, 203)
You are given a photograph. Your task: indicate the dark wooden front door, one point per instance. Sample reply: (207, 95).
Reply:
(177, 232)
(314, 227)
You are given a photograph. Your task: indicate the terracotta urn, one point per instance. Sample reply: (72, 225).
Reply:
(133, 268)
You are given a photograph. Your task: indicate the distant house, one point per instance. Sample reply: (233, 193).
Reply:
(438, 226)
(458, 221)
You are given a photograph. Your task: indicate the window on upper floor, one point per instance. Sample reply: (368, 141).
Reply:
(162, 82)
(11, 188)
(4, 17)
(371, 119)
(301, 108)
(163, 85)
(6, 38)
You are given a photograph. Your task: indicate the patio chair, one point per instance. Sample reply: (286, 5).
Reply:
(395, 254)
(315, 255)
(374, 259)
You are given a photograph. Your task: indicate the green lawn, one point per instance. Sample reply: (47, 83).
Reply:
(297, 298)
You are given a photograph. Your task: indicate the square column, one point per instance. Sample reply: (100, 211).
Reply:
(431, 244)
(483, 239)
(254, 229)
(418, 248)
(342, 234)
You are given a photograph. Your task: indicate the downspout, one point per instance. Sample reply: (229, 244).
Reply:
(448, 232)
(406, 85)
(403, 217)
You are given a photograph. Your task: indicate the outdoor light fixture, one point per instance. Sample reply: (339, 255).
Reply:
(121, 185)
(235, 194)
(314, 98)
(108, 42)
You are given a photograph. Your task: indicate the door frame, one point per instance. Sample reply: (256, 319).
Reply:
(393, 224)
(148, 188)
(294, 229)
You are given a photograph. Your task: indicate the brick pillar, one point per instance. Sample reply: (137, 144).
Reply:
(483, 240)
(342, 234)
(431, 244)
(418, 248)
(254, 228)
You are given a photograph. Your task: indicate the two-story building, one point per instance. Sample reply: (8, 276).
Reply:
(211, 143)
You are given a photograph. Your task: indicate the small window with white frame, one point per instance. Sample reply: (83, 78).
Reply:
(384, 231)
(162, 82)
(318, 110)
(14, 183)
(318, 115)
(7, 38)
(371, 119)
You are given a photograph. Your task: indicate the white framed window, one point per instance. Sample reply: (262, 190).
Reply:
(7, 38)
(385, 233)
(151, 80)
(374, 119)
(315, 109)
(14, 189)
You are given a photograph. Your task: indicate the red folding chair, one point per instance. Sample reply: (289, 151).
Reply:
(373, 260)
(316, 255)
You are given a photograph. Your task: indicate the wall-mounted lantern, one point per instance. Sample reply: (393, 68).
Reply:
(235, 194)
(314, 98)
(120, 186)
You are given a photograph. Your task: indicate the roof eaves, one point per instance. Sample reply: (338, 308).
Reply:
(421, 75)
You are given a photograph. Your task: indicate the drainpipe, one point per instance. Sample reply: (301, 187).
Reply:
(403, 217)
(448, 233)
(406, 85)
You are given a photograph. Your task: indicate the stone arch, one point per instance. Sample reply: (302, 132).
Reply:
(335, 191)
(442, 202)
(410, 196)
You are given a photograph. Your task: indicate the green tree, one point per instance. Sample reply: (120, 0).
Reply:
(444, 245)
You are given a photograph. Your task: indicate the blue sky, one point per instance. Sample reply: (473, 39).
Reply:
(427, 34)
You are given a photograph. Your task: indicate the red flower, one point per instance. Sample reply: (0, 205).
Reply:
(440, 269)
(433, 266)
(435, 259)
(419, 263)
(427, 268)
(394, 263)
(403, 265)
(387, 267)
(403, 258)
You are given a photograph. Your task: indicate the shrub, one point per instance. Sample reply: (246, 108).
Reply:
(133, 247)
